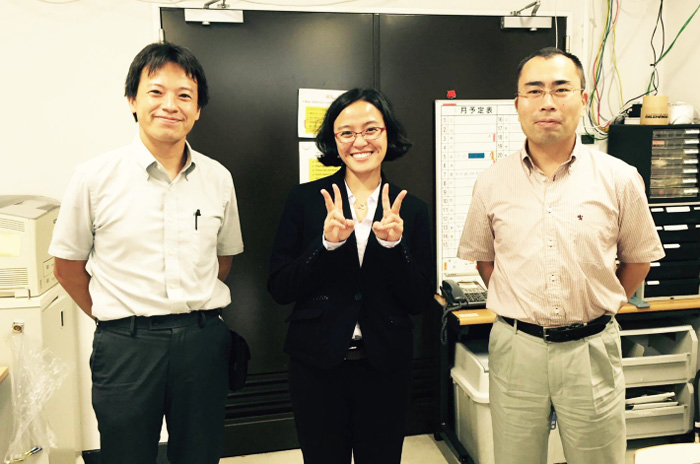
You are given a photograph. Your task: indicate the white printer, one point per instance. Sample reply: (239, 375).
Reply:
(26, 226)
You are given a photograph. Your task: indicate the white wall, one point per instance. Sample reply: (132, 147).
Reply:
(63, 75)
(64, 67)
(678, 70)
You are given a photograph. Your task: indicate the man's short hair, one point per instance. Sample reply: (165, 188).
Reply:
(155, 56)
(397, 141)
(547, 53)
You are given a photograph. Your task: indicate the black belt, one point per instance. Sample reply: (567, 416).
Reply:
(356, 351)
(561, 334)
(168, 321)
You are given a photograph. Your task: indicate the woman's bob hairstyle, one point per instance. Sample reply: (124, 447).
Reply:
(398, 144)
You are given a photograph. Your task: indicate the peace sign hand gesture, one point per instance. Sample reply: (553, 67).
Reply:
(336, 228)
(390, 228)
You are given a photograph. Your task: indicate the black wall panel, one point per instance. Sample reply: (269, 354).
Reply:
(422, 57)
(250, 125)
(254, 72)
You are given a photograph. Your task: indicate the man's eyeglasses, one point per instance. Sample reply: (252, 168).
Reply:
(348, 136)
(559, 93)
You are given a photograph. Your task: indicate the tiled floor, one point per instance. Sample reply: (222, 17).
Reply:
(420, 449)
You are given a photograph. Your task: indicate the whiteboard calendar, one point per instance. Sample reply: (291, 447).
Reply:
(470, 135)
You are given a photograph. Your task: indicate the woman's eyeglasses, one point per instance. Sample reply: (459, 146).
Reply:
(348, 136)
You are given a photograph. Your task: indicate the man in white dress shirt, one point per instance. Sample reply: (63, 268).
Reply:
(144, 240)
(545, 226)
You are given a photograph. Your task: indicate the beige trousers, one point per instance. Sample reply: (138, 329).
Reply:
(582, 380)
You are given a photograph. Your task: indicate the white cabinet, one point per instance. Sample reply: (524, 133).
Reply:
(668, 420)
(49, 319)
(664, 358)
(470, 376)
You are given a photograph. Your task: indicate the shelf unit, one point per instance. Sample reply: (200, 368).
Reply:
(664, 358)
(668, 159)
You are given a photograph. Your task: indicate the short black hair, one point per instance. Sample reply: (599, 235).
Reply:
(155, 56)
(547, 53)
(397, 141)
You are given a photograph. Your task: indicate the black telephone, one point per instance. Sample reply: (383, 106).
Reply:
(465, 294)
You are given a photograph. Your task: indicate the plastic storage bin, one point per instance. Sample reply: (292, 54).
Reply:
(659, 422)
(472, 411)
(659, 355)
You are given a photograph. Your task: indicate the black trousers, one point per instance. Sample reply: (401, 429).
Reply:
(352, 409)
(146, 368)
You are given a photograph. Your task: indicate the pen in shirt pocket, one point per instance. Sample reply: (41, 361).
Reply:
(196, 216)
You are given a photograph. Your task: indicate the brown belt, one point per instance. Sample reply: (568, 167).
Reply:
(561, 334)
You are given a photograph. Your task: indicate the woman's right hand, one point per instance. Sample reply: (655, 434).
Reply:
(336, 228)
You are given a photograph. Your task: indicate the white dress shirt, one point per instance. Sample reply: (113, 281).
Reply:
(151, 243)
(362, 231)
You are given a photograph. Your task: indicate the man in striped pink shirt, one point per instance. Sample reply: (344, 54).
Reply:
(545, 227)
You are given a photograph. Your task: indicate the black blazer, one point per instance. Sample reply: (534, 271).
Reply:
(332, 292)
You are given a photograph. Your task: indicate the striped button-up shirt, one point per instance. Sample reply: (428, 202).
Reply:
(554, 240)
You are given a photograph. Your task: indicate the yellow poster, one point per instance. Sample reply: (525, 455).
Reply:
(310, 168)
(313, 104)
(313, 118)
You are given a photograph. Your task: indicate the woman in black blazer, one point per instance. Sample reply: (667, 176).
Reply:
(353, 253)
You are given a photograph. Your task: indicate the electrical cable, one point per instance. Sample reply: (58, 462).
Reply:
(664, 53)
(604, 125)
(614, 53)
(599, 76)
(679, 33)
(594, 103)
(603, 77)
(654, 79)
(556, 26)
(593, 123)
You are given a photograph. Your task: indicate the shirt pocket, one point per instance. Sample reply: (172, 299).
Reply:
(205, 236)
(594, 230)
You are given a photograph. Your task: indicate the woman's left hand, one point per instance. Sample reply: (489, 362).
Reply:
(390, 228)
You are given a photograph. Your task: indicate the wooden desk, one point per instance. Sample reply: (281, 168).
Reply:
(486, 316)
(458, 325)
